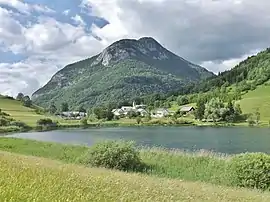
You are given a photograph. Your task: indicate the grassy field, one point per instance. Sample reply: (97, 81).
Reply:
(19, 112)
(28, 115)
(257, 99)
(27, 178)
(206, 167)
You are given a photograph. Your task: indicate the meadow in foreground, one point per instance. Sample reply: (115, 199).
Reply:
(206, 167)
(247, 170)
(27, 178)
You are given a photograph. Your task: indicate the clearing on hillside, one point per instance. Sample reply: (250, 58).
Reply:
(257, 99)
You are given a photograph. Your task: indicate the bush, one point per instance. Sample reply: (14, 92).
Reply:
(251, 170)
(138, 120)
(251, 121)
(3, 113)
(21, 125)
(8, 97)
(84, 122)
(118, 155)
(45, 122)
(4, 122)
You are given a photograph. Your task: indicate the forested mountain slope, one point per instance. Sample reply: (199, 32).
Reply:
(128, 68)
(253, 71)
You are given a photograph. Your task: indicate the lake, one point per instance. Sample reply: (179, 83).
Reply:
(224, 140)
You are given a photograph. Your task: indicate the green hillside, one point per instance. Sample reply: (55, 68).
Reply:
(19, 112)
(29, 116)
(125, 70)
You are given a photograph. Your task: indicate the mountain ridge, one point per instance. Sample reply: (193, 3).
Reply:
(127, 68)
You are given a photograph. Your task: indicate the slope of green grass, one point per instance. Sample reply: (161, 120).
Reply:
(26, 178)
(27, 115)
(19, 112)
(257, 99)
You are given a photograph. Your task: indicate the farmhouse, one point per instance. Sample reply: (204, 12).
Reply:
(118, 112)
(187, 109)
(126, 109)
(159, 113)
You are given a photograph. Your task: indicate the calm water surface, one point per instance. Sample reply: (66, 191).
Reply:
(224, 140)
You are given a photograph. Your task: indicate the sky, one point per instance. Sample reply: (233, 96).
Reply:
(39, 37)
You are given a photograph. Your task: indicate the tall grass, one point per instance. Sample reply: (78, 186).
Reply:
(25, 178)
(205, 167)
(196, 166)
(66, 153)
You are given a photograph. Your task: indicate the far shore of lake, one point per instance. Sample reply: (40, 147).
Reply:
(105, 124)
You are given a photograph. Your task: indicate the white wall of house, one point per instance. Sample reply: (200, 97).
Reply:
(160, 113)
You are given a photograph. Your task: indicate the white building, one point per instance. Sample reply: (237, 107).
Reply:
(124, 110)
(73, 115)
(159, 113)
(117, 112)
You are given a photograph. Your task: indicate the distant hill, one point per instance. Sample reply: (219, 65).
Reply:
(252, 72)
(126, 69)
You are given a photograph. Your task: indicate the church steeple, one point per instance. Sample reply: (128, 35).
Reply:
(134, 105)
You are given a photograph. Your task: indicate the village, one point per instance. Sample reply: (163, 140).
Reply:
(142, 111)
(124, 111)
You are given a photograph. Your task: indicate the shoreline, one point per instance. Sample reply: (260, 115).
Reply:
(123, 124)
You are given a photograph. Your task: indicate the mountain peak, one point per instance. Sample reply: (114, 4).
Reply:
(147, 39)
(131, 48)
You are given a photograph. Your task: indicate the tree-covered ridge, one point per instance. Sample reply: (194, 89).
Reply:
(124, 70)
(253, 71)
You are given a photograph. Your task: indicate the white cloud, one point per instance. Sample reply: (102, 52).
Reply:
(24, 7)
(78, 19)
(11, 32)
(50, 46)
(66, 12)
(221, 66)
(216, 34)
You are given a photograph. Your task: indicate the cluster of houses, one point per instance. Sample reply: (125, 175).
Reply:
(141, 109)
(72, 115)
(125, 110)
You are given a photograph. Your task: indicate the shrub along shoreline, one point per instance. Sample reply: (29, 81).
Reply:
(54, 126)
(246, 170)
(42, 128)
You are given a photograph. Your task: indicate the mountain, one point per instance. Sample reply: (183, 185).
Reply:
(126, 69)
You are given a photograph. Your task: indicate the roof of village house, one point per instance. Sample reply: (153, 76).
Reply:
(141, 110)
(186, 109)
(126, 107)
(162, 109)
(114, 110)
